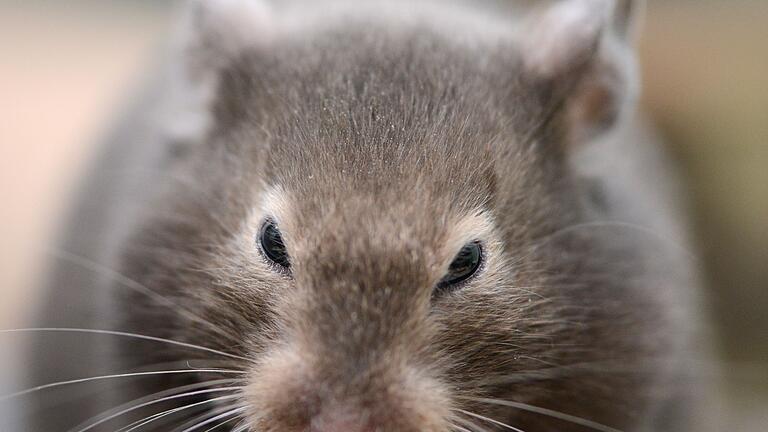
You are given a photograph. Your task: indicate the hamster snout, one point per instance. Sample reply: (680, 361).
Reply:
(297, 392)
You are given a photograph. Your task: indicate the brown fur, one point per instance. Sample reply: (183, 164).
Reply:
(380, 151)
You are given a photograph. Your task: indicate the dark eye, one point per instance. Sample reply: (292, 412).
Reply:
(465, 265)
(272, 244)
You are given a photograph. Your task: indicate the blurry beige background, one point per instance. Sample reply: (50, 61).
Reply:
(66, 67)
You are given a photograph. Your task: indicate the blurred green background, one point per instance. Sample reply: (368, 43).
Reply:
(66, 66)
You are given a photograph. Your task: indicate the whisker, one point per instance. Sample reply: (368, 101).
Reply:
(468, 426)
(125, 334)
(523, 376)
(153, 402)
(549, 413)
(198, 406)
(153, 396)
(694, 368)
(208, 414)
(129, 283)
(488, 419)
(616, 224)
(114, 376)
(195, 363)
(216, 418)
(145, 421)
(242, 427)
(221, 424)
(54, 400)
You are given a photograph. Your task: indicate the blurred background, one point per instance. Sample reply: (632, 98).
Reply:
(66, 68)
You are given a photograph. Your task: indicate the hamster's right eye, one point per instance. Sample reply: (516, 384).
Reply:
(272, 246)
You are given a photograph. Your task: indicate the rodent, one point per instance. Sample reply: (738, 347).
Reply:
(382, 216)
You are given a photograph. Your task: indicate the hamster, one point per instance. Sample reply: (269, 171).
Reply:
(378, 216)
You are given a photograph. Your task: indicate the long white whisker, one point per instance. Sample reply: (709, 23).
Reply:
(156, 401)
(124, 334)
(129, 283)
(488, 419)
(461, 428)
(106, 377)
(210, 413)
(241, 427)
(157, 416)
(469, 426)
(549, 413)
(143, 422)
(175, 390)
(222, 423)
(216, 418)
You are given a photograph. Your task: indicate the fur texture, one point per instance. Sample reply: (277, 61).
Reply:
(381, 142)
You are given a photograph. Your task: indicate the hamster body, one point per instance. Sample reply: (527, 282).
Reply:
(386, 218)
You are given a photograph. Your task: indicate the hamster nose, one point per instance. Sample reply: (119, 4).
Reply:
(338, 421)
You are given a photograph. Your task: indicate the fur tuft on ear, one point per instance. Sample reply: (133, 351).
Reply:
(216, 31)
(581, 51)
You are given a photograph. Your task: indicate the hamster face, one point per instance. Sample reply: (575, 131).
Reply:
(383, 229)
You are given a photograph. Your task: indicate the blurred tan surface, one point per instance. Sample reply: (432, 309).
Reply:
(706, 86)
(706, 70)
(67, 67)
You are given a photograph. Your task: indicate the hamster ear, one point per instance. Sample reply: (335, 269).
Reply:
(580, 54)
(212, 34)
(217, 31)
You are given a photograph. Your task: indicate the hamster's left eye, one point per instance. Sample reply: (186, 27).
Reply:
(272, 245)
(464, 265)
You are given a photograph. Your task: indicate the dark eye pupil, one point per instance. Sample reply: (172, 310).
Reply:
(272, 244)
(465, 264)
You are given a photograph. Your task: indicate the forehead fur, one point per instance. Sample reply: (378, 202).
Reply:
(404, 114)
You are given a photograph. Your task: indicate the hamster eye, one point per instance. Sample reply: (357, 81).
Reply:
(272, 245)
(466, 264)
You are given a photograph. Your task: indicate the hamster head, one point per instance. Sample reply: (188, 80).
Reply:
(379, 220)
